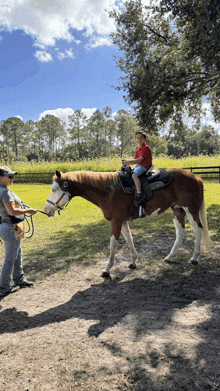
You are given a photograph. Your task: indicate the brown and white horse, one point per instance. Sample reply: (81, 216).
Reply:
(184, 195)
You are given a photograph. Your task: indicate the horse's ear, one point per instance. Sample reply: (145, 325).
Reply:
(58, 174)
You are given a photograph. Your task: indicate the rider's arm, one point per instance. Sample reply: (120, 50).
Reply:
(133, 161)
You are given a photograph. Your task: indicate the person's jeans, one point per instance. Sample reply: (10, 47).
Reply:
(138, 169)
(13, 258)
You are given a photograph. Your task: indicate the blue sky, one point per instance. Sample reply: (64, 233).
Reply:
(60, 64)
(56, 57)
(30, 86)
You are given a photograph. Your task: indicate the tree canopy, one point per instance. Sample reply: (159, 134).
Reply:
(170, 59)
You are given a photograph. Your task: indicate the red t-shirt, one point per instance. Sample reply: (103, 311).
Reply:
(144, 152)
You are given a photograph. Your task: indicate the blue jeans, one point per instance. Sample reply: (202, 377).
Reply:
(13, 258)
(138, 169)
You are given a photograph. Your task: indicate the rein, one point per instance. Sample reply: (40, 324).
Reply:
(31, 223)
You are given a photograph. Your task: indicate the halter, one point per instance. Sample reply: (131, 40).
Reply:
(65, 185)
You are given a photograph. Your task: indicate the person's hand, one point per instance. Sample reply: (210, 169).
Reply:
(30, 211)
(124, 162)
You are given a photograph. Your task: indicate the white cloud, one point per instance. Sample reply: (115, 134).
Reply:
(48, 21)
(43, 56)
(63, 114)
(88, 112)
(68, 53)
(18, 116)
(147, 2)
(94, 42)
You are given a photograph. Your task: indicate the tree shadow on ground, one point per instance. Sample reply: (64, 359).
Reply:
(64, 249)
(147, 308)
(110, 301)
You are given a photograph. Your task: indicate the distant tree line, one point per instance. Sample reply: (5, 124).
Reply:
(192, 141)
(101, 135)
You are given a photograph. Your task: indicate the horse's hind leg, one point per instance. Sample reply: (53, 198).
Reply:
(178, 219)
(125, 230)
(115, 233)
(197, 228)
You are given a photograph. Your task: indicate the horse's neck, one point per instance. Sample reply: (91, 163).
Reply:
(90, 193)
(94, 187)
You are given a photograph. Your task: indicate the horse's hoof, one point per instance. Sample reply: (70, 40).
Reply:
(167, 260)
(193, 262)
(131, 266)
(105, 274)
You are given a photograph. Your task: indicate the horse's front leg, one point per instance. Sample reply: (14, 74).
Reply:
(125, 230)
(115, 233)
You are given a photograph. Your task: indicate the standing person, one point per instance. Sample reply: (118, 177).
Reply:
(10, 205)
(143, 161)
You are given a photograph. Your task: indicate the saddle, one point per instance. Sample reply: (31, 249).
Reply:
(156, 178)
(153, 178)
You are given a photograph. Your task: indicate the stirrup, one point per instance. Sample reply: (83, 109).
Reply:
(142, 212)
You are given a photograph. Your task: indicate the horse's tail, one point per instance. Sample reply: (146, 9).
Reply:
(206, 240)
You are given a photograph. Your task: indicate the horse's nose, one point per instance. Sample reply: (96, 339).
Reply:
(49, 211)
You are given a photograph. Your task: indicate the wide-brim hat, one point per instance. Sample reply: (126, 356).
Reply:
(6, 171)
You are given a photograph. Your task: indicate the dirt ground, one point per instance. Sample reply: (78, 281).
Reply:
(155, 328)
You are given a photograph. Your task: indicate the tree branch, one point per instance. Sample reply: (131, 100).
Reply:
(156, 33)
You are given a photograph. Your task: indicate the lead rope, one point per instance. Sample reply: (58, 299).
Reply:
(31, 223)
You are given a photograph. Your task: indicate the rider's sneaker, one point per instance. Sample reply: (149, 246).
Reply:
(138, 199)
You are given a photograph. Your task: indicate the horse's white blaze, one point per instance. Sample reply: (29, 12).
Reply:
(198, 234)
(154, 213)
(113, 246)
(179, 238)
(54, 196)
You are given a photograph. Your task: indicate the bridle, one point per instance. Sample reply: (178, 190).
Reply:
(56, 204)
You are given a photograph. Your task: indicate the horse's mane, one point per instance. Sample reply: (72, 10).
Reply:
(100, 180)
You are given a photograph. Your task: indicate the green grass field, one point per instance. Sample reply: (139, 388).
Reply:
(113, 164)
(80, 234)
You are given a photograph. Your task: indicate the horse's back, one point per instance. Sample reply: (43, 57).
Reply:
(187, 186)
(185, 175)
